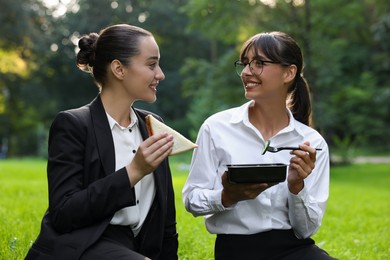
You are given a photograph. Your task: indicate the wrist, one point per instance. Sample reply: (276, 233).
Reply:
(133, 174)
(295, 188)
(226, 200)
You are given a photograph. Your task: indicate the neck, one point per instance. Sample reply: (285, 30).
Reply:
(117, 107)
(268, 120)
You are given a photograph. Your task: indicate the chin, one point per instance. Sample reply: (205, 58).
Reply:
(151, 99)
(249, 96)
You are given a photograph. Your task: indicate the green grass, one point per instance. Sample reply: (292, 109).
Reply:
(356, 224)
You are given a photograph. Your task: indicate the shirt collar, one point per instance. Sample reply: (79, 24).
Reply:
(134, 120)
(242, 115)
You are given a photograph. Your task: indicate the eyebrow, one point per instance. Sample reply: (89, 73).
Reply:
(259, 57)
(255, 57)
(153, 58)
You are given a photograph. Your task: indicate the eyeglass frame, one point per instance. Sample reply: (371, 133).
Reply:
(240, 63)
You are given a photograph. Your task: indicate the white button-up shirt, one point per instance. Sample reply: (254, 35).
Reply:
(126, 142)
(229, 138)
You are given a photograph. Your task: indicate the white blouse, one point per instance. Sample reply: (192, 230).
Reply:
(126, 142)
(229, 138)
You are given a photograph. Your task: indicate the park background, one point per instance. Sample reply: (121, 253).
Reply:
(346, 46)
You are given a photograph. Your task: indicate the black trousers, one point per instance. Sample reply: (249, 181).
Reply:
(270, 245)
(117, 242)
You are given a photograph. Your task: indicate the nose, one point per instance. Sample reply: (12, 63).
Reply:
(160, 74)
(246, 70)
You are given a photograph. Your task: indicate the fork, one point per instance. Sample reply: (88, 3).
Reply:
(278, 149)
(271, 149)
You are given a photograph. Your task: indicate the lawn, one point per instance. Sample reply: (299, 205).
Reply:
(356, 223)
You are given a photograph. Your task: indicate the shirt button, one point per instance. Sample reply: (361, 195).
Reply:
(137, 201)
(130, 130)
(134, 151)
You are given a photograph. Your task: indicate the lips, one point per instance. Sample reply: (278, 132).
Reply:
(250, 85)
(154, 86)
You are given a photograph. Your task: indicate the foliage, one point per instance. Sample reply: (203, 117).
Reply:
(355, 226)
(346, 62)
(24, 27)
(214, 91)
(345, 43)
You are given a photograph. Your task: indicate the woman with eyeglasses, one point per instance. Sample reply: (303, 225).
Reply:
(263, 220)
(110, 185)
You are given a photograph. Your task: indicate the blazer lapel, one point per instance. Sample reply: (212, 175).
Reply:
(103, 135)
(142, 124)
(159, 173)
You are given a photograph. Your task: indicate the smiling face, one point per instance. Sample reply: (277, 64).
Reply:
(143, 73)
(269, 84)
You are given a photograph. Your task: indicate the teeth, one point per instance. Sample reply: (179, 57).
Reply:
(252, 84)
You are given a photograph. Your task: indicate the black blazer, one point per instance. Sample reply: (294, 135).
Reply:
(85, 191)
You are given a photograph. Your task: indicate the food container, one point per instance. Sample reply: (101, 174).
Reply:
(257, 173)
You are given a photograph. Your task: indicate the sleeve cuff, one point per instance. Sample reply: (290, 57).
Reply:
(216, 201)
(302, 196)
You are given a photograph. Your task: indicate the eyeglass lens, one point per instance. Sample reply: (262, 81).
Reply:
(256, 67)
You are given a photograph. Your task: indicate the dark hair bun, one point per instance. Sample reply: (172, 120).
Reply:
(86, 55)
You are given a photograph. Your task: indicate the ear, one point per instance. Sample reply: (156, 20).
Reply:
(117, 69)
(289, 74)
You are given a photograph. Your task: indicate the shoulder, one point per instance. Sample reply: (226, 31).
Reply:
(222, 117)
(74, 119)
(74, 114)
(310, 134)
(219, 123)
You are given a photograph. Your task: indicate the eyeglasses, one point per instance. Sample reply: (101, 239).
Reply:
(256, 66)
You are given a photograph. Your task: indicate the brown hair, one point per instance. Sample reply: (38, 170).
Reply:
(281, 48)
(116, 42)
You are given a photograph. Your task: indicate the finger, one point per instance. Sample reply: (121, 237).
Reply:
(159, 142)
(307, 154)
(302, 157)
(299, 170)
(310, 150)
(224, 177)
(303, 162)
(156, 156)
(156, 162)
(154, 138)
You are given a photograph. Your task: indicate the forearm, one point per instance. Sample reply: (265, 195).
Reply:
(305, 214)
(203, 202)
(72, 207)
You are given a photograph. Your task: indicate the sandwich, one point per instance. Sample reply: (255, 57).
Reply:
(181, 144)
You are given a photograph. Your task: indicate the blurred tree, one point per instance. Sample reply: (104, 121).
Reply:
(44, 39)
(163, 18)
(345, 43)
(350, 65)
(346, 49)
(24, 38)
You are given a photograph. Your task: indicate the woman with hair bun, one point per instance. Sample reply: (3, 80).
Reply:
(263, 220)
(110, 185)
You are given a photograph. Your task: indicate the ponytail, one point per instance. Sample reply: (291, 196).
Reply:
(299, 100)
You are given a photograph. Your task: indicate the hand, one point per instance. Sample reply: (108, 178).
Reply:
(233, 193)
(149, 155)
(301, 166)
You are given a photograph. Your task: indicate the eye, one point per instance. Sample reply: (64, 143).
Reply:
(244, 62)
(257, 63)
(153, 65)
